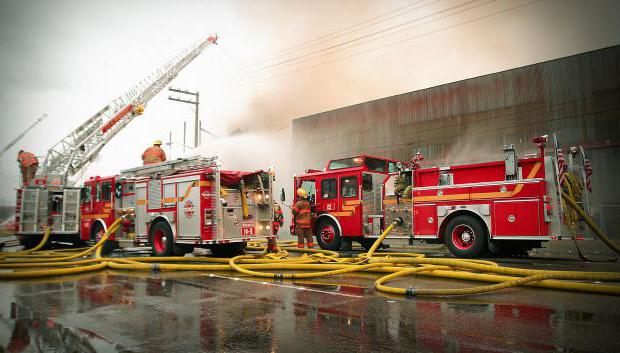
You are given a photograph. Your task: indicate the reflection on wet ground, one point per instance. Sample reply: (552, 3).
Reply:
(183, 312)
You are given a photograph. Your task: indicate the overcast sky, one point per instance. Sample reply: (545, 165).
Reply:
(69, 58)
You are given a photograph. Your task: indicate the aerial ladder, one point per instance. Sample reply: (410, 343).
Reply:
(28, 129)
(53, 195)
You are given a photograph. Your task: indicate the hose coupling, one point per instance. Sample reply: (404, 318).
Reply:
(410, 292)
(155, 267)
(397, 221)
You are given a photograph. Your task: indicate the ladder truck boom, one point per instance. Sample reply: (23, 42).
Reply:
(12, 143)
(75, 151)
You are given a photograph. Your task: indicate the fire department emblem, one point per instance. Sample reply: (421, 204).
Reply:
(188, 209)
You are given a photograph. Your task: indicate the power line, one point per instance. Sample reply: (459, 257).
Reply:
(338, 34)
(394, 42)
(361, 38)
(369, 38)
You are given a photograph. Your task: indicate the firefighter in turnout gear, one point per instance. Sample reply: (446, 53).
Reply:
(28, 164)
(154, 154)
(303, 228)
(278, 220)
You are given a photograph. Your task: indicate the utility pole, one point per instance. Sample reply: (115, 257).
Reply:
(188, 100)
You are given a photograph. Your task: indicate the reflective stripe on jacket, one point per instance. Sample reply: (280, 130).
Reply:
(301, 210)
(153, 154)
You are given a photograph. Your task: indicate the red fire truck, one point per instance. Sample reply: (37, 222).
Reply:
(503, 206)
(178, 205)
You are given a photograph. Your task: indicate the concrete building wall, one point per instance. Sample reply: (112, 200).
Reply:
(577, 97)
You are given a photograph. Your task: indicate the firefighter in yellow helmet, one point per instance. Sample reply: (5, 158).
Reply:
(154, 154)
(303, 228)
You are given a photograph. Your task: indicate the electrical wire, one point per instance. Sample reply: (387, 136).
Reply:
(338, 33)
(367, 37)
(389, 44)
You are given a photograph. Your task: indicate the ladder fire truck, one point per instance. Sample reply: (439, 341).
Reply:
(510, 205)
(178, 205)
(53, 198)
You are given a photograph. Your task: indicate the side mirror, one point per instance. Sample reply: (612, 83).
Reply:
(118, 191)
(282, 196)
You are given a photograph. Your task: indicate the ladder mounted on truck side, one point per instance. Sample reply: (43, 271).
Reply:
(171, 167)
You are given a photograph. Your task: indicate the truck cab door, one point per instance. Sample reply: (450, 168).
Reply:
(349, 204)
(372, 197)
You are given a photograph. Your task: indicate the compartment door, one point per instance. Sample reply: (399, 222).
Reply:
(70, 210)
(425, 219)
(34, 210)
(141, 216)
(188, 210)
(516, 218)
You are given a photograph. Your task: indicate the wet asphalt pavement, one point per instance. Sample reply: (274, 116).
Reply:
(112, 311)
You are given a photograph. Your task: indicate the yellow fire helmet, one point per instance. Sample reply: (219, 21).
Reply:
(302, 193)
(157, 142)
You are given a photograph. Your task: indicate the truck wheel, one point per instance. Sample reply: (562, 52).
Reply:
(162, 240)
(328, 235)
(465, 237)
(97, 234)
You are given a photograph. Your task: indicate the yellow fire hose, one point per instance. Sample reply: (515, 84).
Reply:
(591, 223)
(311, 264)
(48, 231)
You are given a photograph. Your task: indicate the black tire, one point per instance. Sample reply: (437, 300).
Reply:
(96, 234)
(161, 239)
(465, 237)
(228, 250)
(328, 235)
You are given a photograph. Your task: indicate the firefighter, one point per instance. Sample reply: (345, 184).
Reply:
(303, 228)
(278, 220)
(28, 164)
(154, 154)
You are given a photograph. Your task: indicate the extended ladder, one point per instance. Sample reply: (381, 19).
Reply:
(171, 167)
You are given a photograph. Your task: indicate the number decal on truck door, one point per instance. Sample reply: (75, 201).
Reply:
(247, 231)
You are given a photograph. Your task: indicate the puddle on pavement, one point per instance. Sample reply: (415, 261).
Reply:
(193, 313)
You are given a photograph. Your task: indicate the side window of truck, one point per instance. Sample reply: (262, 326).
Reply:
(329, 189)
(348, 186)
(106, 191)
(85, 194)
(367, 182)
(310, 187)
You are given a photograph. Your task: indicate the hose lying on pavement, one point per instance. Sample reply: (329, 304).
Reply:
(312, 264)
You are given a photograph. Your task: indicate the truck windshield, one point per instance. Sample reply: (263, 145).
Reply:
(345, 163)
(375, 165)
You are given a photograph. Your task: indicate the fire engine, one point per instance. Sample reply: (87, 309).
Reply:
(178, 205)
(53, 197)
(501, 206)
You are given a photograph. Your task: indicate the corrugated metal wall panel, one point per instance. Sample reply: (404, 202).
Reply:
(470, 120)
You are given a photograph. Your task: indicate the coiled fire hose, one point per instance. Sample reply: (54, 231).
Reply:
(572, 189)
(312, 264)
